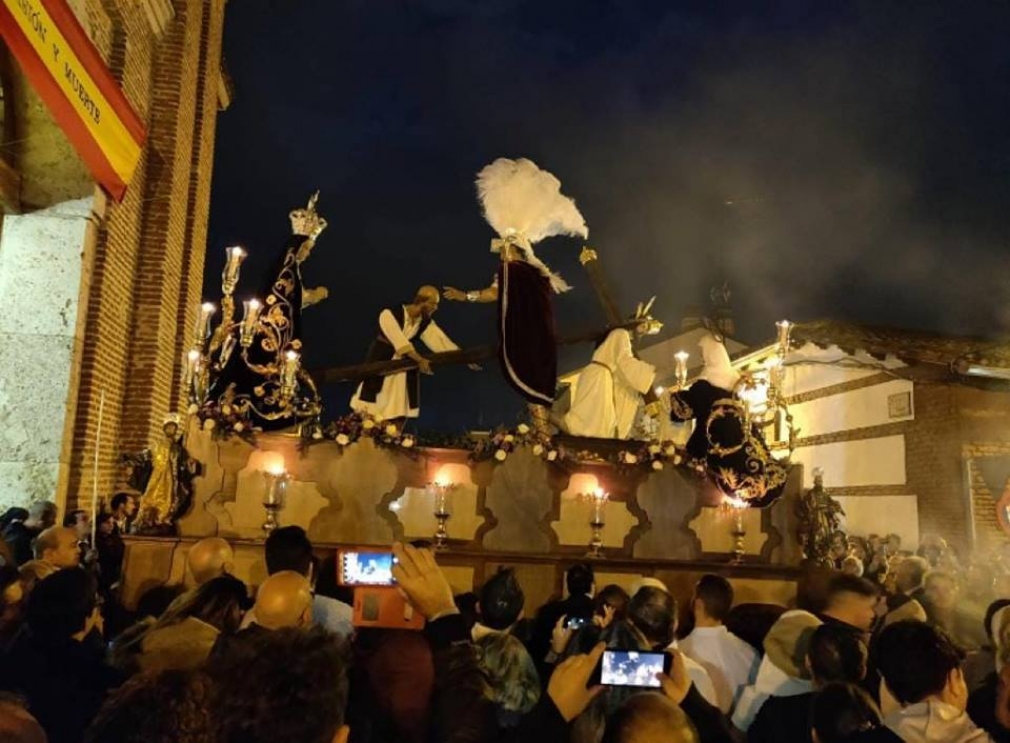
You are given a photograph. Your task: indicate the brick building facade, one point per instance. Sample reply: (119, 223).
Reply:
(911, 429)
(114, 287)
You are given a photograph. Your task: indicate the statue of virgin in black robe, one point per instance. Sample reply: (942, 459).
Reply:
(249, 379)
(732, 451)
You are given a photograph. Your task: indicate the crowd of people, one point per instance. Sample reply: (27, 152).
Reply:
(877, 654)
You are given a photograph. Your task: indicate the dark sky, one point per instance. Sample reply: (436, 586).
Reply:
(845, 160)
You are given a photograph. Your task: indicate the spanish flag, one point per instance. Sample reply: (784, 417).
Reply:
(68, 73)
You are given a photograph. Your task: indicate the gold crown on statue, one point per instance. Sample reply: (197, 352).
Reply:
(306, 221)
(172, 418)
(646, 324)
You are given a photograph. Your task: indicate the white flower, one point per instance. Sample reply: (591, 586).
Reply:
(552, 455)
(368, 424)
(192, 409)
(538, 449)
(391, 430)
(655, 449)
(343, 439)
(239, 428)
(500, 455)
(509, 438)
(407, 442)
(670, 450)
(208, 425)
(226, 410)
(523, 429)
(657, 465)
(631, 459)
(317, 434)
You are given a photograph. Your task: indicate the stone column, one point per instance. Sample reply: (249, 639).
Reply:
(43, 277)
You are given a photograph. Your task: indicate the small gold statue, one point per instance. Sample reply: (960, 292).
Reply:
(168, 491)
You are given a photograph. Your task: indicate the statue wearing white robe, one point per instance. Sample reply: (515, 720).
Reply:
(398, 395)
(610, 389)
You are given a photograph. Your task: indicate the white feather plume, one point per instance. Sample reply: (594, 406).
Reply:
(516, 195)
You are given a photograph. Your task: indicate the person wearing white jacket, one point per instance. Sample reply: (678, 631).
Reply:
(923, 694)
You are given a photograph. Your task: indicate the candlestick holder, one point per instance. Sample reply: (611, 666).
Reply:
(202, 330)
(273, 500)
(289, 374)
(681, 358)
(250, 319)
(598, 501)
(737, 506)
(233, 263)
(440, 493)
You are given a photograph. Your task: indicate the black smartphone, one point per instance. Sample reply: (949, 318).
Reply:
(366, 568)
(575, 622)
(631, 668)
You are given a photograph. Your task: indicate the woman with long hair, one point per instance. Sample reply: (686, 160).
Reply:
(184, 635)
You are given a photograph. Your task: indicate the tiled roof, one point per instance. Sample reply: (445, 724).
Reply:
(908, 345)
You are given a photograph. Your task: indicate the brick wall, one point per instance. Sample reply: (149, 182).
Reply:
(147, 268)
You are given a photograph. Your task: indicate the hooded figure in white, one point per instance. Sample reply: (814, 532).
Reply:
(609, 391)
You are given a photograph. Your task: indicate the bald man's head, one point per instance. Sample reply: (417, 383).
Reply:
(427, 298)
(210, 558)
(284, 600)
(58, 546)
(649, 717)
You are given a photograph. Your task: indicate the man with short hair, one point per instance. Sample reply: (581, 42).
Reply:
(921, 668)
(210, 558)
(649, 717)
(731, 663)
(852, 601)
(500, 603)
(289, 548)
(123, 507)
(835, 654)
(579, 580)
(19, 535)
(62, 675)
(58, 546)
(286, 685)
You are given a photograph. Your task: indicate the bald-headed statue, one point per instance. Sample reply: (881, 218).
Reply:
(395, 397)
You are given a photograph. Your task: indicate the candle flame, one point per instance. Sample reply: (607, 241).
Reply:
(291, 356)
(208, 308)
(682, 356)
(235, 252)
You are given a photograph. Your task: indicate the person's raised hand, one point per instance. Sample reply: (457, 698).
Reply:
(678, 683)
(424, 584)
(453, 294)
(567, 687)
(608, 616)
(560, 636)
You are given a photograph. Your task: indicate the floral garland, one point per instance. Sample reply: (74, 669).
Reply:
(224, 419)
(503, 442)
(353, 427)
(652, 456)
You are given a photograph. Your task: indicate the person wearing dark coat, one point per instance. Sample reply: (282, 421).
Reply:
(56, 664)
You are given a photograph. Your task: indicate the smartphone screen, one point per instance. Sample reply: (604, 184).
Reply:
(366, 568)
(632, 668)
(575, 622)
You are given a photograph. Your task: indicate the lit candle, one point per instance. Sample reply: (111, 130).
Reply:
(192, 367)
(289, 373)
(681, 358)
(785, 328)
(229, 278)
(251, 316)
(207, 310)
(599, 497)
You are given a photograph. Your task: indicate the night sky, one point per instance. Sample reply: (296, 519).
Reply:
(829, 160)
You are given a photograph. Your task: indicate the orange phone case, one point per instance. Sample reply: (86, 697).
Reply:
(380, 606)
